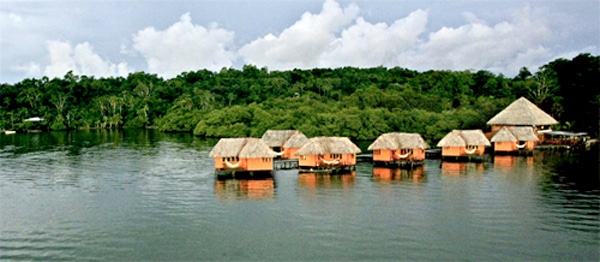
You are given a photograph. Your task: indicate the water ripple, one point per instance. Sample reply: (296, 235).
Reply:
(138, 197)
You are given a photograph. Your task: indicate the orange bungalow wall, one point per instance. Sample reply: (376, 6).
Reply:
(247, 164)
(289, 153)
(313, 160)
(512, 146)
(386, 155)
(461, 151)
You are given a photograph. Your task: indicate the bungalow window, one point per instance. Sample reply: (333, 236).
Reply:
(471, 147)
(303, 157)
(405, 151)
(376, 152)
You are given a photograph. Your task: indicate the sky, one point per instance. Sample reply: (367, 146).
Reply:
(111, 38)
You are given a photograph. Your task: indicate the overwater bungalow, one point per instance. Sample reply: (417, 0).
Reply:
(464, 145)
(399, 149)
(522, 112)
(327, 154)
(518, 140)
(242, 155)
(284, 142)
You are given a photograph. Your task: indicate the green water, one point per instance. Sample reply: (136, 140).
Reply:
(146, 195)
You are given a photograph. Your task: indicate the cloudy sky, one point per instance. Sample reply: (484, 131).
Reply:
(114, 38)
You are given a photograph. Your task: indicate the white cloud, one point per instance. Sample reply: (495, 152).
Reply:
(31, 70)
(366, 45)
(496, 35)
(302, 44)
(479, 46)
(185, 47)
(81, 59)
(523, 40)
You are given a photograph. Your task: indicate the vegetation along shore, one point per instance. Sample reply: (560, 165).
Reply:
(359, 103)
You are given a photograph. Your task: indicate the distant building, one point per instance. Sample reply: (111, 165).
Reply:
(328, 154)
(522, 112)
(463, 145)
(514, 140)
(284, 142)
(242, 155)
(399, 149)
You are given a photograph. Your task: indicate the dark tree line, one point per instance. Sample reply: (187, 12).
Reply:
(360, 103)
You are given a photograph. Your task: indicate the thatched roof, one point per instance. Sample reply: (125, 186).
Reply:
(248, 147)
(514, 134)
(328, 145)
(296, 141)
(522, 112)
(503, 135)
(473, 137)
(397, 140)
(277, 138)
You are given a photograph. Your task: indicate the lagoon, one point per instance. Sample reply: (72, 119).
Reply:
(146, 195)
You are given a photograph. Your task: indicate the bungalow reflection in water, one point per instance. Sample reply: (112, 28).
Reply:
(245, 189)
(386, 174)
(508, 163)
(461, 168)
(327, 180)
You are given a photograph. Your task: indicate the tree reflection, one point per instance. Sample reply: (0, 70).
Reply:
(577, 171)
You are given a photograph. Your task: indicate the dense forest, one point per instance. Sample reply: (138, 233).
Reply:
(360, 103)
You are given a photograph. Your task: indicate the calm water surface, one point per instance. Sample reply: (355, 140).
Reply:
(144, 195)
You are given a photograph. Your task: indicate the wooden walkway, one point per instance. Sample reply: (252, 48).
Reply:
(285, 164)
(364, 158)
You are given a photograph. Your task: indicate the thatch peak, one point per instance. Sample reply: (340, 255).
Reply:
(277, 138)
(398, 140)
(473, 137)
(514, 134)
(328, 145)
(296, 141)
(522, 112)
(248, 147)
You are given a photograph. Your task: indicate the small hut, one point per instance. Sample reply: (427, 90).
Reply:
(514, 140)
(284, 142)
(399, 149)
(522, 112)
(242, 155)
(327, 154)
(464, 145)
